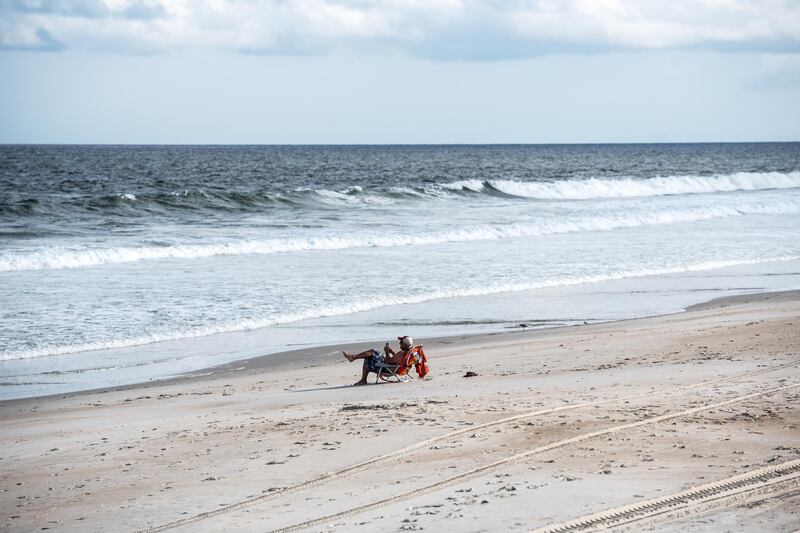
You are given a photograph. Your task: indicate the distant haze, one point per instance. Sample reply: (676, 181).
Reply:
(401, 71)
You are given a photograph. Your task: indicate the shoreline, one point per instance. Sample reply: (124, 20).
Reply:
(320, 355)
(601, 416)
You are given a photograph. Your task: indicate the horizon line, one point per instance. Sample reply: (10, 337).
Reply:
(596, 143)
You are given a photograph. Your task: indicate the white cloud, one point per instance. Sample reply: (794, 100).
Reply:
(657, 24)
(436, 28)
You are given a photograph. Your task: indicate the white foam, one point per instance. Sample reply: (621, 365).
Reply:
(58, 257)
(469, 185)
(628, 188)
(353, 195)
(346, 308)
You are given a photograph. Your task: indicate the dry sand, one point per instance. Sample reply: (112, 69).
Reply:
(602, 416)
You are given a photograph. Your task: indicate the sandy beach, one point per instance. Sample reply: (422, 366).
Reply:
(685, 421)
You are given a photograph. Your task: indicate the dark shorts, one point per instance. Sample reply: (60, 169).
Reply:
(373, 362)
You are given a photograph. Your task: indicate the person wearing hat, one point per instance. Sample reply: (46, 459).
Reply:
(372, 357)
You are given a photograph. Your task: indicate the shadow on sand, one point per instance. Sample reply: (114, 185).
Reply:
(333, 388)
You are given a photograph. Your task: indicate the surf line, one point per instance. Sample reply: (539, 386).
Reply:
(328, 476)
(476, 472)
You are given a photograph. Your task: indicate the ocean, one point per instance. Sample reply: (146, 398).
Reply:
(122, 264)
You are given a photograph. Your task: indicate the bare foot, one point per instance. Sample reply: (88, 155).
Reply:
(358, 383)
(348, 356)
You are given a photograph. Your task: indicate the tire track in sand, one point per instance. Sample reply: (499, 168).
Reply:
(736, 490)
(329, 476)
(481, 470)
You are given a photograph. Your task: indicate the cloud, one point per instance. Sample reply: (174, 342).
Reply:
(91, 9)
(441, 29)
(28, 38)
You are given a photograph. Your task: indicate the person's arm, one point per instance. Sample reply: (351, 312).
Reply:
(388, 354)
(396, 358)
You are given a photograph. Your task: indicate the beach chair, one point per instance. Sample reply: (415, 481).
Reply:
(415, 358)
(391, 373)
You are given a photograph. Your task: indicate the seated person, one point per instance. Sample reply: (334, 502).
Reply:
(372, 358)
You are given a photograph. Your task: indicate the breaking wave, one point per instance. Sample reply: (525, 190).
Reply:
(58, 258)
(148, 203)
(629, 188)
(361, 305)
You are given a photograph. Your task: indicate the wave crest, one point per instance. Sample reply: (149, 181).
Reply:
(58, 258)
(592, 188)
(143, 202)
(378, 302)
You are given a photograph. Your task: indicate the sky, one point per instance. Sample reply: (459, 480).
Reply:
(398, 71)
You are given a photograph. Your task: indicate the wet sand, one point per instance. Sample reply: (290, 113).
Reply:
(557, 425)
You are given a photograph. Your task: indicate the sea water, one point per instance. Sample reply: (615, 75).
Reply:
(121, 264)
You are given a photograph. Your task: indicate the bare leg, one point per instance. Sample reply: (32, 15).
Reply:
(364, 374)
(363, 355)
